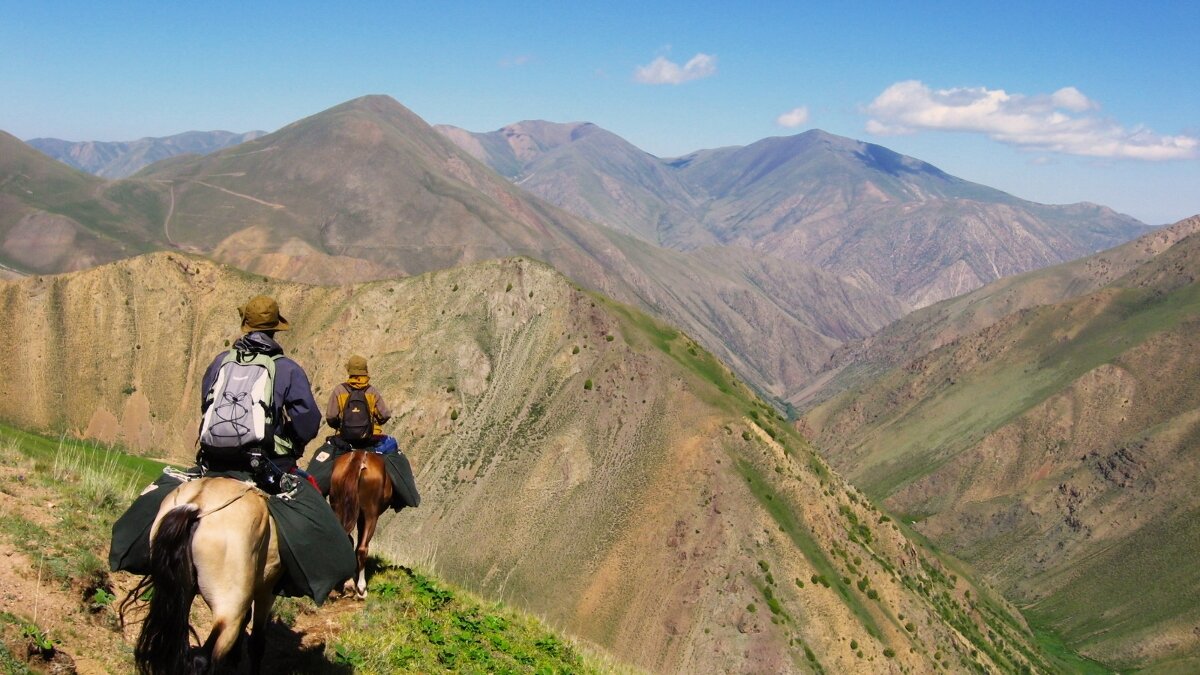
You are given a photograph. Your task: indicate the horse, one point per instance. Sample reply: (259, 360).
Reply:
(359, 492)
(213, 536)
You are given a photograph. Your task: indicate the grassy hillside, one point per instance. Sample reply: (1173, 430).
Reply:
(412, 623)
(1056, 451)
(577, 458)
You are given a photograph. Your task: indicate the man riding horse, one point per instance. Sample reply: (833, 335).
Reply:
(258, 413)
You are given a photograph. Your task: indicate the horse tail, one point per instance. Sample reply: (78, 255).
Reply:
(162, 644)
(348, 499)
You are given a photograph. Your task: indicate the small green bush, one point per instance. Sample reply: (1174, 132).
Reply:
(889, 652)
(453, 415)
(587, 385)
(575, 350)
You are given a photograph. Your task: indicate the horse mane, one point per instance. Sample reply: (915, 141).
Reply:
(162, 644)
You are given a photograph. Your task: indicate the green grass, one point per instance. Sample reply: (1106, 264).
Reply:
(46, 450)
(803, 539)
(1063, 657)
(92, 485)
(413, 624)
(10, 630)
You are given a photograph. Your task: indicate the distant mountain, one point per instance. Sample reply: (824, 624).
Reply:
(576, 458)
(54, 218)
(857, 209)
(119, 159)
(1046, 428)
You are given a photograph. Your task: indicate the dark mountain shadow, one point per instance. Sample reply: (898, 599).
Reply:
(892, 163)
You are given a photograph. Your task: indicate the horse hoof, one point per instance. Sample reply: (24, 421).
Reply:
(361, 595)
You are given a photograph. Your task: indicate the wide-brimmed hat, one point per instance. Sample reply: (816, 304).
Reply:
(357, 365)
(262, 313)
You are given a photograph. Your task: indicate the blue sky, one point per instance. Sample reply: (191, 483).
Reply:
(1054, 102)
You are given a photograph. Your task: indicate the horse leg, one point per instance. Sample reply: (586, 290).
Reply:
(370, 517)
(228, 590)
(263, 600)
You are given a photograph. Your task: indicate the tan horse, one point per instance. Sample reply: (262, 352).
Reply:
(213, 536)
(359, 492)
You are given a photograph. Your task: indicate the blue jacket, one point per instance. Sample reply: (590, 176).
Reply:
(292, 400)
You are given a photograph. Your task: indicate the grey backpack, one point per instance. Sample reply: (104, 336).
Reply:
(237, 409)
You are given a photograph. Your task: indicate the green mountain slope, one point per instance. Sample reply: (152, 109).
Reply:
(1055, 450)
(931, 327)
(577, 459)
(54, 218)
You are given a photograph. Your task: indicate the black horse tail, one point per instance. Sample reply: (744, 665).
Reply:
(162, 645)
(347, 501)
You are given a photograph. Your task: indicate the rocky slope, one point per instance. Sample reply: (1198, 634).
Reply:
(895, 223)
(120, 159)
(576, 457)
(1056, 447)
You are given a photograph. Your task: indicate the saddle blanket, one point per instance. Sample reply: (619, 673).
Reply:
(317, 555)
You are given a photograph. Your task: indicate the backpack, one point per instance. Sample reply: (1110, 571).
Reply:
(357, 422)
(237, 409)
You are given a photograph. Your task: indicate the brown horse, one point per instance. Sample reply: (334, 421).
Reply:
(359, 492)
(213, 536)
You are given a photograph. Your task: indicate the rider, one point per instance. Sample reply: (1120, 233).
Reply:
(358, 378)
(297, 416)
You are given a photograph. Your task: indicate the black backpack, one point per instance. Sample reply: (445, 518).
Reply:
(357, 424)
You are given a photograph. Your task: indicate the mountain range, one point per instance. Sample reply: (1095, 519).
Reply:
(896, 224)
(576, 458)
(1045, 428)
(368, 190)
(121, 159)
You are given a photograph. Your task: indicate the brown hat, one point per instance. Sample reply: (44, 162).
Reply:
(357, 365)
(262, 313)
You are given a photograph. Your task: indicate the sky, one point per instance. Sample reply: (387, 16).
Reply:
(1054, 102)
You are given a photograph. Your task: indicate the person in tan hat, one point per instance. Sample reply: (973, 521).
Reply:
(357, 387)
(295, 418)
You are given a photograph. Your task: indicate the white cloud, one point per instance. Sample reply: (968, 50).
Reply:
(793, 118)
(1051, 122)
(663, 71)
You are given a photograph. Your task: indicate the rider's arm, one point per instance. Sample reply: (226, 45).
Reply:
(305, 417)
(333, 410)
(382, 412)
